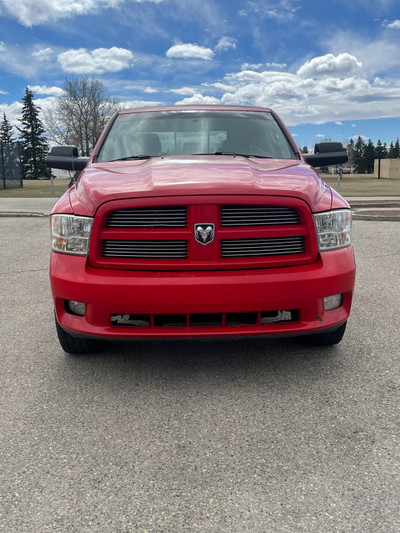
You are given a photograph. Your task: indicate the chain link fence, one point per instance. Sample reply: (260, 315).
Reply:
(10, 166)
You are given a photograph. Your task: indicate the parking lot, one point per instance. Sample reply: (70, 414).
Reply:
(229, 436)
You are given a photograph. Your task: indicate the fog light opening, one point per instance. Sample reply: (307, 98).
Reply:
(333, 302)
(75, 308)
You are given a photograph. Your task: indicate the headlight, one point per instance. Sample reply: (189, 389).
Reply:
(333, 229)
(70, 234)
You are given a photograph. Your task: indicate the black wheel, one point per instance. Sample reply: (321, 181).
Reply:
(325, 339)
(76, 345)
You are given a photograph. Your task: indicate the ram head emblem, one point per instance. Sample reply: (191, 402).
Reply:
(204, 233)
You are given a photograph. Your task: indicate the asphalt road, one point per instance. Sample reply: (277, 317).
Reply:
(249, 436)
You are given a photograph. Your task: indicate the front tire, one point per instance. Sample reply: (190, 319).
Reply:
(326, 339)
(76, 345)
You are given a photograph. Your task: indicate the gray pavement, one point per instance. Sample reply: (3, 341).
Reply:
(26, 206)
(223, 437)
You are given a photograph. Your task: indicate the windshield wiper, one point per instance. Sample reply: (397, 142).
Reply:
(131, 157)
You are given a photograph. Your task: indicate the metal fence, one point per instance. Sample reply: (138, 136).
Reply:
(10, 166)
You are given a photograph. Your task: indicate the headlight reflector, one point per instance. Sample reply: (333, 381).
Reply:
(70, 234)
(333, 229)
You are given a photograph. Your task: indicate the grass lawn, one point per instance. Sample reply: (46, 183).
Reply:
(363, 185)
(37, 189)
(350, 185)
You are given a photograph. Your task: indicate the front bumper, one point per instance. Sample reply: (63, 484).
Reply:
(107, 292)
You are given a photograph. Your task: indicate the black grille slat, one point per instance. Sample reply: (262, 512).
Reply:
(148, 217)
(145, 249)
(262, 247)
(258, 215)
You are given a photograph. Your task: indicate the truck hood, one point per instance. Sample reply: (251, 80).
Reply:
(197, 176)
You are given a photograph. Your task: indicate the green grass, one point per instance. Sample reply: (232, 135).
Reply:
(363, 185)
(37, 189)
(350, 185)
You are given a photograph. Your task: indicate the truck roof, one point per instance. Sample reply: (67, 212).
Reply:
(203, 107)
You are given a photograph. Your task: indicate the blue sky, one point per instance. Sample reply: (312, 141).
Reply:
(331, 69)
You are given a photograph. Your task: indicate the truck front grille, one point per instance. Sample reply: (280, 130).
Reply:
(262, 247)
(148, 217)
(144, 234)
(258, 215)
(145, 249)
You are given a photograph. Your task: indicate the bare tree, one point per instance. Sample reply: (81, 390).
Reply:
(80, 114)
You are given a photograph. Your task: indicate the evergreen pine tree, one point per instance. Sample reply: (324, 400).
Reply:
(396, 152)
(350, 153)
(359, 161)
(369, 157)
(6, 131)
(380, 150)
(33, 143)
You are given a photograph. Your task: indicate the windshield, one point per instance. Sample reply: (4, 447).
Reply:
(173, 133)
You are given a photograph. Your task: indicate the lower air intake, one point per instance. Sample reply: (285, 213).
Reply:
(204, 320)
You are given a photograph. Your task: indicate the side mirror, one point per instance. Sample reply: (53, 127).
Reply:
(327, 153)
(66, 158)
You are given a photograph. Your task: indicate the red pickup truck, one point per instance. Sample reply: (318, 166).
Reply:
(199, 222)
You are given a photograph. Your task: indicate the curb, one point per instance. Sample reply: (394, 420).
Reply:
(377, 218)
(22, 214)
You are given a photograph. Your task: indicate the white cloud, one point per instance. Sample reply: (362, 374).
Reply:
(13, 110)
(225, 43)
(198, 99)
(330, 65)
(279, 10)
(276, 65)
(314, 98)
(190, 51)
(43, 89)
(395, 25)
(363, 137)
(183, 91)
(128, 104)
(251, 66)
(221, 87)
(97, 61)
(44, 54)
(17, 60)
(376, 55)
(31, 13)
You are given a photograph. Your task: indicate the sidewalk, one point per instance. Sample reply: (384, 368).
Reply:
(26, 207)
(364, 208)
(379, 208)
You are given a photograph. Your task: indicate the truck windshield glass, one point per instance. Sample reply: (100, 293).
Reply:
(170, 133)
